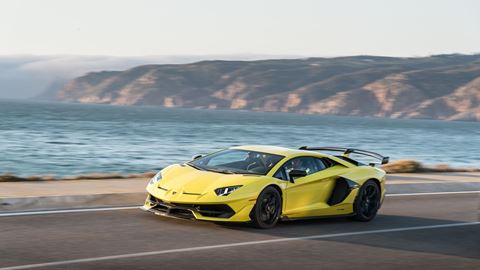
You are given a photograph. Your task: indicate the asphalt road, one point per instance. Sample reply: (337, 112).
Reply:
(440, 231)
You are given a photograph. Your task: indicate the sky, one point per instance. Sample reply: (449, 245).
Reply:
(225, 27)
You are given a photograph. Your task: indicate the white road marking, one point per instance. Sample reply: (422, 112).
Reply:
(433, 193)
(239, 244)
(80, 210)
(62, 211)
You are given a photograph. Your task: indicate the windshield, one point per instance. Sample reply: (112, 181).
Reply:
(237, 161)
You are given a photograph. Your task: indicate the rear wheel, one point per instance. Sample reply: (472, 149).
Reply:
(266, 212)
(367, 203)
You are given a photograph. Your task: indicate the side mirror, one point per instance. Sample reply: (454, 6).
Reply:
(197, 157)
(296, 174)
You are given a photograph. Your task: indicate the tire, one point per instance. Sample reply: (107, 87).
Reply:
(367, 202)
(266, 212)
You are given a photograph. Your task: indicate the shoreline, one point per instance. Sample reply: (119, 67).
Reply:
(235, 110)
(395, 167)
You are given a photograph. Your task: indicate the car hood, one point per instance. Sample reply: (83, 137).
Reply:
(185, 179)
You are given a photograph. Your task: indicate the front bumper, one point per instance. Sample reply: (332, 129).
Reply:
(237, 211)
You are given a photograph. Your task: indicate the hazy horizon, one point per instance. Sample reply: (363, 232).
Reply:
(233, 56)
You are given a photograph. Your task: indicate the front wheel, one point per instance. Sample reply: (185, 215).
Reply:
(266, 212)
(367, 202)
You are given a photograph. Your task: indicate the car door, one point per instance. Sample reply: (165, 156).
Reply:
(307, 196)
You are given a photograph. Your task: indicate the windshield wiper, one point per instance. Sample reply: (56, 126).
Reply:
(211, 169)
(252, 173)
(221, 171)
(196, 167)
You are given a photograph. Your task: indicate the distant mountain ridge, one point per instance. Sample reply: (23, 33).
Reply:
(443, 87)
(38, 77)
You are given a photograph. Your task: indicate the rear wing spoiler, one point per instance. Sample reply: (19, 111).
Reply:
(348, 151)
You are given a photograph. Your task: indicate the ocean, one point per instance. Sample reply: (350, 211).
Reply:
(40, 138)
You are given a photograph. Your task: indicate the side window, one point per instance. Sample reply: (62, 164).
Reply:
(327, 162)
(321, 164)
(307, 164)
(280, 174)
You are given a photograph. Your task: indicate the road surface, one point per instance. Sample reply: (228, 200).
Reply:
(412, 231)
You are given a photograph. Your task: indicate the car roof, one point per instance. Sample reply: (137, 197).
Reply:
(276, 150)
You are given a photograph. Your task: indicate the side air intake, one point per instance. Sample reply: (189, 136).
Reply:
(342, 189)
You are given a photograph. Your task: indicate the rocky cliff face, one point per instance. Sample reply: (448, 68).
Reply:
(438, 87)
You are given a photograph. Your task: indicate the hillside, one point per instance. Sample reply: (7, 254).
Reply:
(438, 87)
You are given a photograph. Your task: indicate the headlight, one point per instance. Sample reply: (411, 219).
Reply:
(156, 178)
(225, 191)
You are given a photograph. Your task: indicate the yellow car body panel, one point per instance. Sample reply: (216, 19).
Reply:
(184, 186)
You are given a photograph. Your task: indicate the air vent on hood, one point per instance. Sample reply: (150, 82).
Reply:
(191, 193)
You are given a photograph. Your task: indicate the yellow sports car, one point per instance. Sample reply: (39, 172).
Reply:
(262, 184)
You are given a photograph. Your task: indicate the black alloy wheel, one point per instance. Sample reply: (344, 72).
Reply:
(267, 209)
(367, 202)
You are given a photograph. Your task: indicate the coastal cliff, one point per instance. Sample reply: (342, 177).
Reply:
(445, 87)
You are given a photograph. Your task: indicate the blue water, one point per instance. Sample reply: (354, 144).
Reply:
(69, 139)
